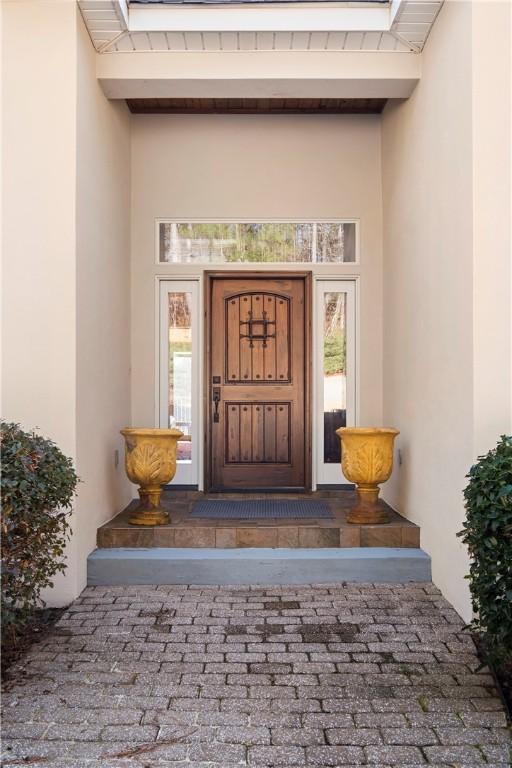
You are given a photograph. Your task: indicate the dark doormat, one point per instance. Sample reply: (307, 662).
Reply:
(260, 509)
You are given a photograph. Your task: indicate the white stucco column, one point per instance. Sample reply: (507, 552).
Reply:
(38, 243)
(65, 251)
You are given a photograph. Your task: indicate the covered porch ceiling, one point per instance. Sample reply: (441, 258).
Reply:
(256, 106)
(258, 50)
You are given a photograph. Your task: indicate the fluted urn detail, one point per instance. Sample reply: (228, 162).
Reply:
(150, 462)
(367, 461)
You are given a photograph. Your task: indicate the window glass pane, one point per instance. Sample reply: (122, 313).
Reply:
(336, 243)
(334, 373)
(221, 243)
(180, 369)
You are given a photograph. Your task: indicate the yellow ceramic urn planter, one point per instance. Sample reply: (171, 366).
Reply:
(150, 461)
(367, 460)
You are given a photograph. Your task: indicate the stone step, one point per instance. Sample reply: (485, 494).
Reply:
(188, 532)
(170, 565)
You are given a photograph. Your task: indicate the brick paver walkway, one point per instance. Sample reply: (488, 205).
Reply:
(328, 675)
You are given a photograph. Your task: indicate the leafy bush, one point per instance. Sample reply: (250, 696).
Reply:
(488, 535)
(38, 484)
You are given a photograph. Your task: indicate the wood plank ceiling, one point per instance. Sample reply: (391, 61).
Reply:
(256, 106)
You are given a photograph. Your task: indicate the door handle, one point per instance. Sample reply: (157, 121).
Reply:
(216, 401)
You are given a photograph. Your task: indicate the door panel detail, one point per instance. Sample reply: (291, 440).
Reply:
(257, 338)
(257, 328)
(258, 432)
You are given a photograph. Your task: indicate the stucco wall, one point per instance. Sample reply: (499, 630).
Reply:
(492, 221)
(39, 234)
(440, 321)
(255, 166)
(38, 119)
(103, 301)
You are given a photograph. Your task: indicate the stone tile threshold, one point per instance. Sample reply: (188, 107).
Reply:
(184, 531)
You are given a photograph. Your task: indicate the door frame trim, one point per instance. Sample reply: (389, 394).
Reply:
(307, 277)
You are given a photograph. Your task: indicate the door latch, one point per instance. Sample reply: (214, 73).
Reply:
(216, 401)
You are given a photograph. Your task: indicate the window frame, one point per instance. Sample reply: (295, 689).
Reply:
(330, 474)
(187, 473)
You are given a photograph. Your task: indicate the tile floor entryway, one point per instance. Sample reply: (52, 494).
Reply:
(184, 531)
(204, 677)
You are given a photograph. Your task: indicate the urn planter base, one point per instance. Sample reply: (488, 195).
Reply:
(149, 517)
(149, 511)
(368, 515)
(368, 510)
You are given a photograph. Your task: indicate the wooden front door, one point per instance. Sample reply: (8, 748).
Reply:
(257, 412)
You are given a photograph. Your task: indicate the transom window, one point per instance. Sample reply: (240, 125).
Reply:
(262, 242)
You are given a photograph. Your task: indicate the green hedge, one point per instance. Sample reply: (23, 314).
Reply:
(38, 485)
(487, 533)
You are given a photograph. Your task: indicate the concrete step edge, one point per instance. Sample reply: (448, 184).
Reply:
(259, 565)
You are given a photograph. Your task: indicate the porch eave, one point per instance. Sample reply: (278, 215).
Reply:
(249, 74)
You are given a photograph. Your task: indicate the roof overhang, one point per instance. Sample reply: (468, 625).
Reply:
(399, 25)
(252, 74)
(297, 50)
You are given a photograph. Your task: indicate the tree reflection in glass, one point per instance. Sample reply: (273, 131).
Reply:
(180, 370)
(260, 242)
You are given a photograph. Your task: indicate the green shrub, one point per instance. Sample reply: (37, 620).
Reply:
(488, 535)
(38, 484)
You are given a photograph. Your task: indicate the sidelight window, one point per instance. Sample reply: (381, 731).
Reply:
(180, 368)
(335, 372)
(178, 371)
